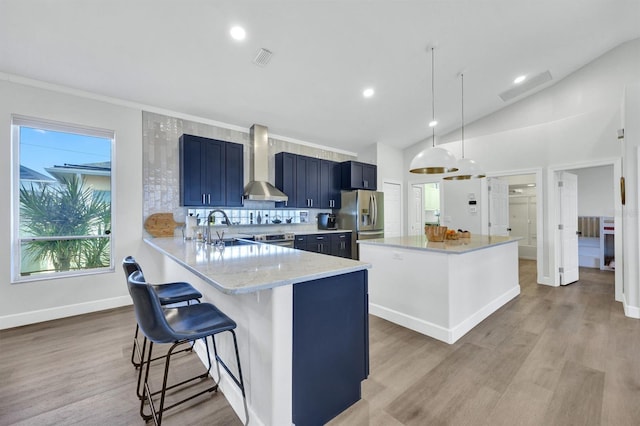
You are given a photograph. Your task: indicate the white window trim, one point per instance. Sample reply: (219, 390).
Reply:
(20, 120)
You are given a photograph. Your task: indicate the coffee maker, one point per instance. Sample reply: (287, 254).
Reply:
(327, 221)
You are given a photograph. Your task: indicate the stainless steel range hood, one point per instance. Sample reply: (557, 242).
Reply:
(259, 188)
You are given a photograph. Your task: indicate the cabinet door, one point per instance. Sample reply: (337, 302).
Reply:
(333, 311)
(356, 175)
(369, 177)
(307, 182)
(191, 191)
(341, 245)
(319, 243)
(329, 184)
(300, 242)
(286, 177)
(336, 184)
(234, 174)
(214, 184)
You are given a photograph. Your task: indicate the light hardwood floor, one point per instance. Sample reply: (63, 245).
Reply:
(552, 356)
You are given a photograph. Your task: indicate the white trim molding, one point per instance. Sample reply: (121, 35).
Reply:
(32, 317)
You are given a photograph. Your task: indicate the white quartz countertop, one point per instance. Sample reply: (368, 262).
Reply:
(459, 246)
(252, 267)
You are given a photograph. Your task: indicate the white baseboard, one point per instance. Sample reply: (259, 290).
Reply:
(447, 335)
(416, 324)
(32, 317)
(629, 310)
(465, 326)
(229, 388)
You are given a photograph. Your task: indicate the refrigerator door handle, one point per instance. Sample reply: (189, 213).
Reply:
(375, 210)
(372, 206)
(369, 233)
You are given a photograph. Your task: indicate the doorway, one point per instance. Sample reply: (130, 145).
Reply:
(523, 214)
(598, 195)
(424, 206)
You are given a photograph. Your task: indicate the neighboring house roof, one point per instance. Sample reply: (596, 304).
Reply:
(30, 175)
(88, 169)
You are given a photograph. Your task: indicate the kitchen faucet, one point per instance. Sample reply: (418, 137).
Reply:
(211, 213)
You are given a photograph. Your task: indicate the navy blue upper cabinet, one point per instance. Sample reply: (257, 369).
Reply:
(307, 182)
(330, 182)
(286, 177)
(234, 157)
(298, 176)
(357, 175)
(209, 171)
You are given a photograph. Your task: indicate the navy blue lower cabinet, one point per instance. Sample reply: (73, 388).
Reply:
(330, 346)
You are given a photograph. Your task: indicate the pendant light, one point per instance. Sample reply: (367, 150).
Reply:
(433, 160)
(467, 168)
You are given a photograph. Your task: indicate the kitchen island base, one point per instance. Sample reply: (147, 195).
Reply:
(441, 290)
(302, 325)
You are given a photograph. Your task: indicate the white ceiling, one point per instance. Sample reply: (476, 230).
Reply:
(178, 55)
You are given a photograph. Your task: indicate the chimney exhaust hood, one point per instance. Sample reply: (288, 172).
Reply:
(259, 188)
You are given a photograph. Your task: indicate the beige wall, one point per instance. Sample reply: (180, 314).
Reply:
(34, 301)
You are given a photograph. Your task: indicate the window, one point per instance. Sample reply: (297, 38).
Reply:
(61, 199)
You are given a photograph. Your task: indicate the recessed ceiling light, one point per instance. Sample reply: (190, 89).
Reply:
(433, 123)
(368, 92)
(238, 33)
(520, 79)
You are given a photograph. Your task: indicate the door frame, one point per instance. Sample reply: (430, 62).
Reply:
(541, 270)
(410, 184)
(553, 209)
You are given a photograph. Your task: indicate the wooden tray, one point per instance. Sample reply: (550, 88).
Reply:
(161, 224)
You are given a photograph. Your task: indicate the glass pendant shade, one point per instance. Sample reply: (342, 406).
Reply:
(433, 161)
(467, 169)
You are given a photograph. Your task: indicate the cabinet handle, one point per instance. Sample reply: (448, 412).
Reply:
(208, 198)
(203, 203)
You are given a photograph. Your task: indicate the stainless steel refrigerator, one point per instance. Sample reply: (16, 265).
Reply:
(362, 212)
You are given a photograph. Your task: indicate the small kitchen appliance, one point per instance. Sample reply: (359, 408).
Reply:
(327, 221)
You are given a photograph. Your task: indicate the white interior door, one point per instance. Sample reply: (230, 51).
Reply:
(567, 185)
(498, 206)
(416, 203)
(392, 209)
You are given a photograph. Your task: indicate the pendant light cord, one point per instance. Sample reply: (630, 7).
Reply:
(462, 128)
(433, 99)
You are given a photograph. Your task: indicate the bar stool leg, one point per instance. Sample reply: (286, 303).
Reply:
(239, 383)
(147, 396)
(134, 348)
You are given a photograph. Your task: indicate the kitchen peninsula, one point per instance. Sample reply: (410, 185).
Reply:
(302, 325)
(441, 289)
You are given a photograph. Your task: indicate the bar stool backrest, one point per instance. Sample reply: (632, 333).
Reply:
(149, 312)
(130, 266)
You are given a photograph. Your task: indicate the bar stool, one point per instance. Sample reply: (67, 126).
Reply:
(169, 294)
(178, 326)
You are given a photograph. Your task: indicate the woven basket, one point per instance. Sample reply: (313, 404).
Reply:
(435, 232)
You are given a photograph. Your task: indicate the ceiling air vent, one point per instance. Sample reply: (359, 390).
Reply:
(262, 57)
(529, 84)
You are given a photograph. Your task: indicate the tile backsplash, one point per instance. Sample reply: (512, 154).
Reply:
(161, 167)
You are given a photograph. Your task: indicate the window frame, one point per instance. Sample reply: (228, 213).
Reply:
(18, 121)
